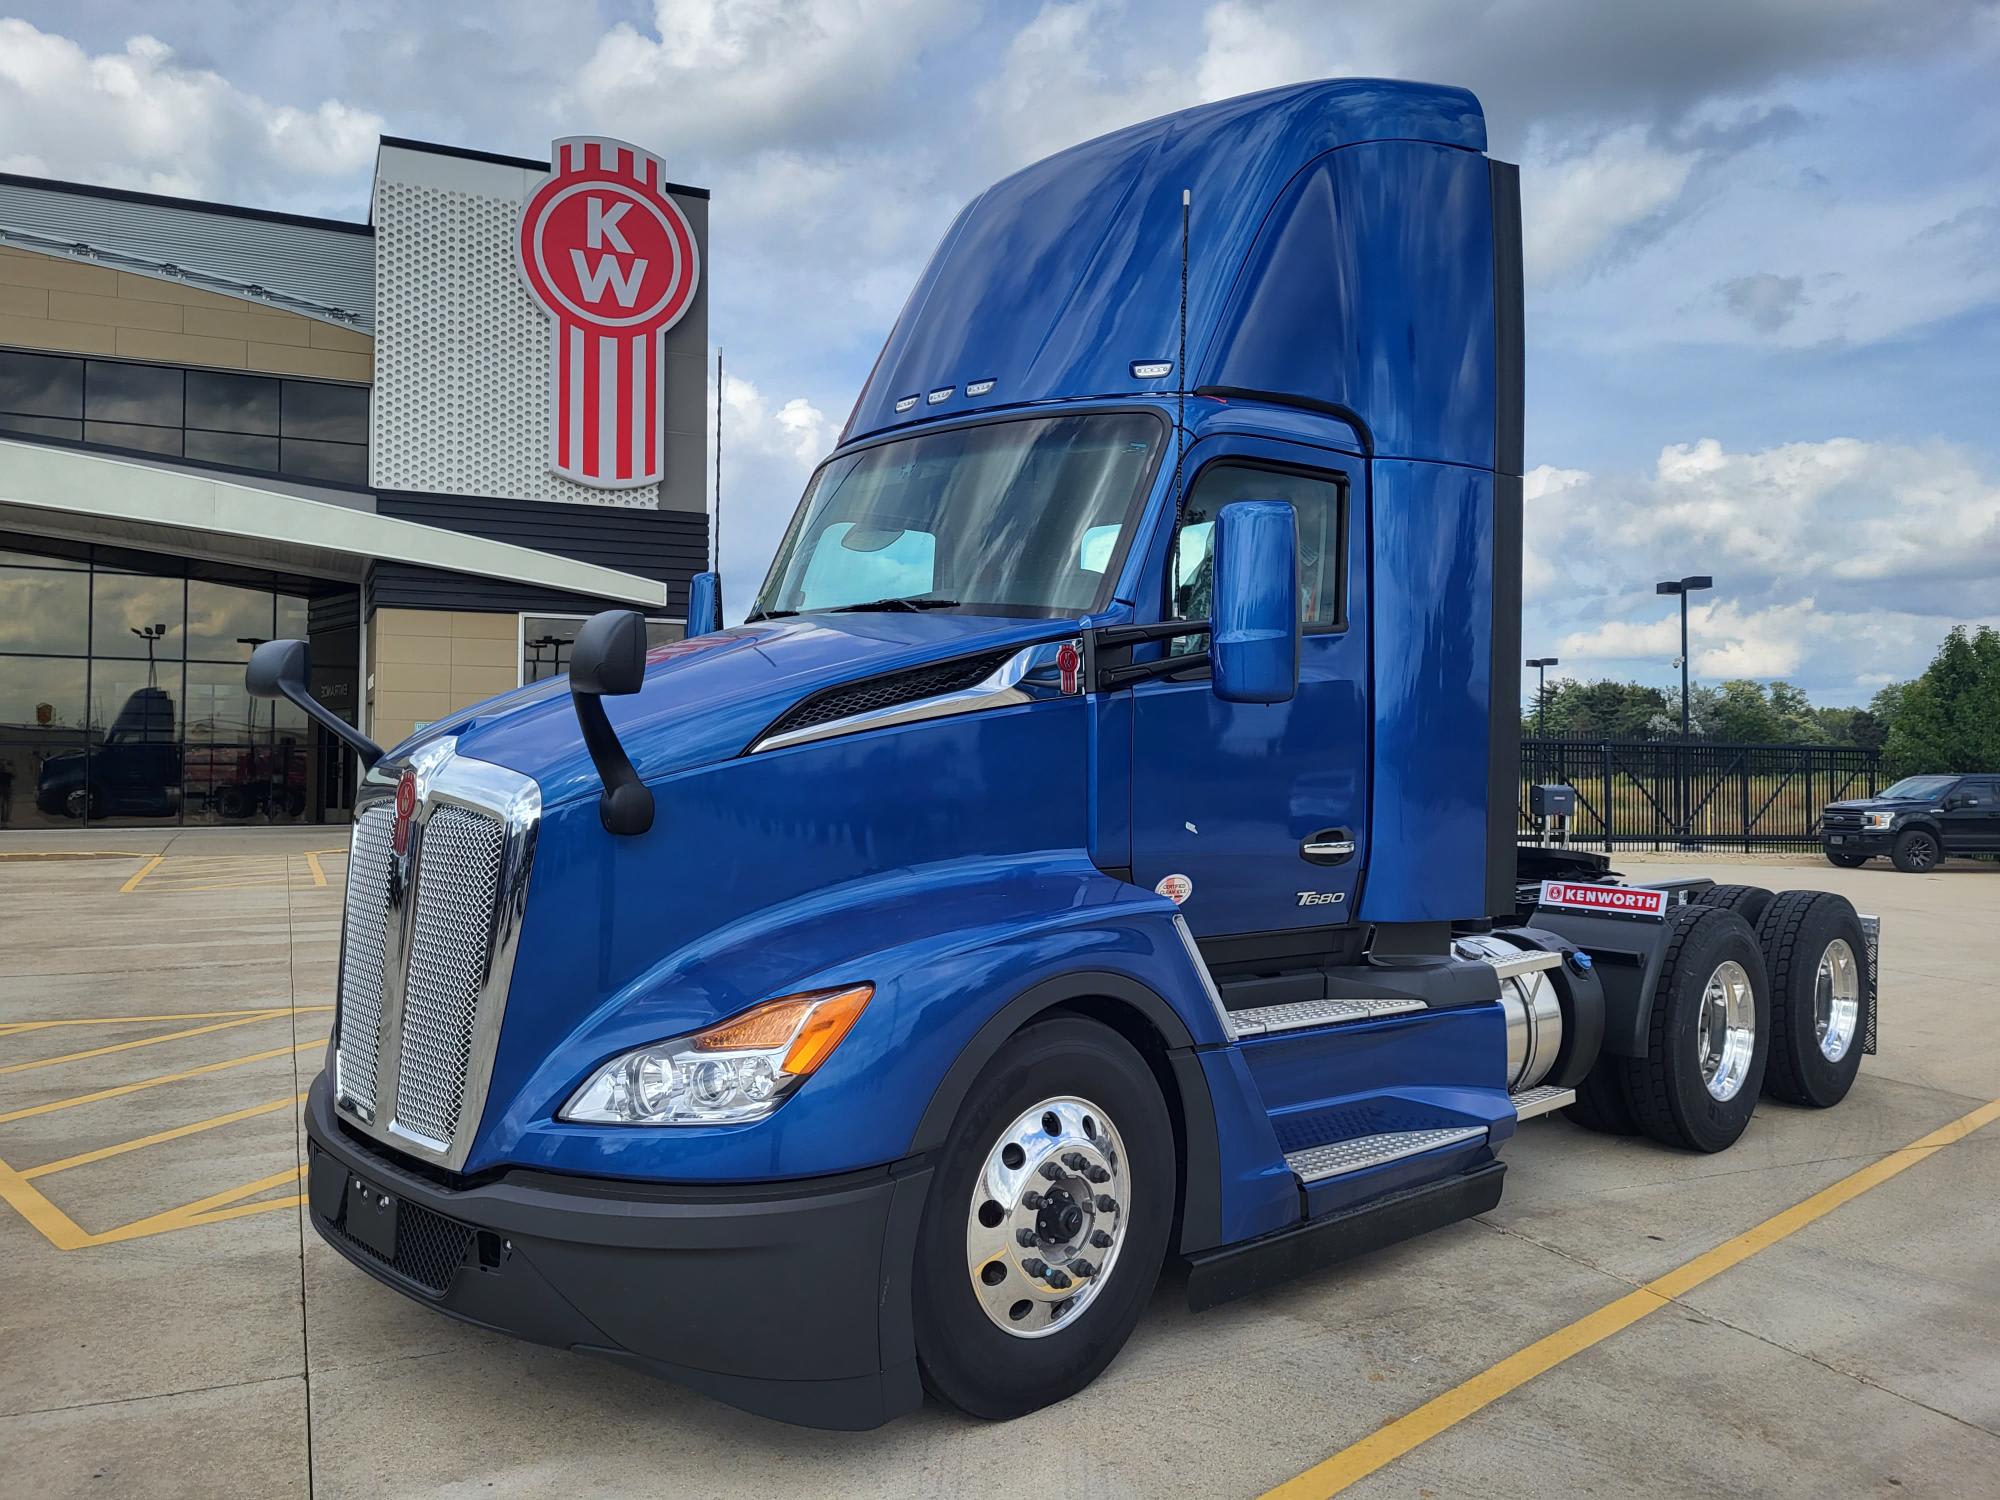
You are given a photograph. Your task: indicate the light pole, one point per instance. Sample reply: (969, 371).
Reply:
(1541, 664)
(1683, 587)
(151, 635)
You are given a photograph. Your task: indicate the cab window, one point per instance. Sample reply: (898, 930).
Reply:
(1320, 502)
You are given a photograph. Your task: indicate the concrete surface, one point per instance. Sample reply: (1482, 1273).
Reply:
(195, 1338)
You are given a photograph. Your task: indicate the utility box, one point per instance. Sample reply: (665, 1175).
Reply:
(1552, 801)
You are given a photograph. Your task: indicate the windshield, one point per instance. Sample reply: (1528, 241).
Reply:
(1916, 788)
(1027, 515)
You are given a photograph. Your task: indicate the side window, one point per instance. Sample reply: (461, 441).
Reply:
(1320, 503)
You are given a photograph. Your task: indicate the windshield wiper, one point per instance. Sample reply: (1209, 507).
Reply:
(768, 614)
(912, 603)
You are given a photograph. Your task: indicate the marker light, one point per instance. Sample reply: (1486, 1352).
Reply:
(904, 403)
(736, 1070)
(1151, 369)
(978, 387)
(942, 393)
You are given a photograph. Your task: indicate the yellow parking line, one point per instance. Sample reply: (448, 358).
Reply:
(159, 1137)
(1387, 1444)
(312, 863)
(146, 1083)
(145, 1041)
(140, 874)
(199, 1211)
(11, 1027)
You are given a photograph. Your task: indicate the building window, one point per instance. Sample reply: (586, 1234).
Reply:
(308, 429)
(546, 641)
(122, 698)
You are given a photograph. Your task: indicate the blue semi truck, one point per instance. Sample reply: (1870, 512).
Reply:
(1097, 850)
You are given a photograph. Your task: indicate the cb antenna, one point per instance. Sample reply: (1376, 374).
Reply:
(1180, 365)
(715, 531)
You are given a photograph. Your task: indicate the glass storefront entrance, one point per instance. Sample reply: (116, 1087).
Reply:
(121, 691)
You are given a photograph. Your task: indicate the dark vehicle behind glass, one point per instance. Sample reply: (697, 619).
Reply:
(1916, 822)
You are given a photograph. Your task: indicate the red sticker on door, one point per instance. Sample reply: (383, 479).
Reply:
(1176, 888)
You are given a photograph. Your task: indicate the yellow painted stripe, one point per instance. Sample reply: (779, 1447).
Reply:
(159, 1137)
(1387, 1444)
(312, 863)
(140, 874)
(146, 1041)
(184, 1015)
(198, 1212)
(147, 1083)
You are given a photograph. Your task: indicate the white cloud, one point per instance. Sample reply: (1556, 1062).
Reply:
(139, 118)
(1575, 203)
(768, 451)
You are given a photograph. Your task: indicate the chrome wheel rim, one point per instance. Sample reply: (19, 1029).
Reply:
(1047, 1218)
(1836, 1000)
(1727, 1034)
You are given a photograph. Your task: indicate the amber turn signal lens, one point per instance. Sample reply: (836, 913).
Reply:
(813, 1025)
(832, 1016)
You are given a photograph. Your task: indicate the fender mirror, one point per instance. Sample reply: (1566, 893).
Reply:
(609, 658)
(704, 604)
(283, 669)
(1253, 642)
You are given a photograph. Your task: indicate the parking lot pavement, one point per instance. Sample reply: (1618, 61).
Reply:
(1629, 1321)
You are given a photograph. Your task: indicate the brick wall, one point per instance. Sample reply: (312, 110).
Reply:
(48, 302)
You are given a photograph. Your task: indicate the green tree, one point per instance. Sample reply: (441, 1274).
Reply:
(1949, 718)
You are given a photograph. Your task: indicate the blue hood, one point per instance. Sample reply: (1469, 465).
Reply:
(706, 699)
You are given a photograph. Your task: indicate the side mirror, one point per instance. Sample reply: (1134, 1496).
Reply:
(609, 658)
(283, 669)
(704, 604)
(1254, 622)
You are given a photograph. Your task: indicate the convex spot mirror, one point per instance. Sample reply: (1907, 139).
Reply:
(1254, 617)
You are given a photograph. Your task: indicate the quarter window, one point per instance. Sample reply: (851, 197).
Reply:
(1320, 502)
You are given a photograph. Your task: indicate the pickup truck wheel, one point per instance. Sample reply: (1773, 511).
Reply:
(1710, 1034)
(1916, 851)
(1847, 859)
(1047, 1221)
(1817, 956)
(1747, 901)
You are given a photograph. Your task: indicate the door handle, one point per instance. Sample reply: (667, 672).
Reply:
(1330, 846)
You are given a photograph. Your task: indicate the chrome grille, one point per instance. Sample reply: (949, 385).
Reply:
(363, 956)
(458, 884)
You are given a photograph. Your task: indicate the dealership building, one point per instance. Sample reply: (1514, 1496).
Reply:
(430, 444)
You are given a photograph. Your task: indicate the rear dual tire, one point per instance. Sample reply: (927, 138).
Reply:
(1821, 996)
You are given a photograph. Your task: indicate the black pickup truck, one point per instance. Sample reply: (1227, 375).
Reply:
(1916, 822)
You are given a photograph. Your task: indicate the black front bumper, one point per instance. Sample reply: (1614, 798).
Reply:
(1855, 841)
(790, 1299)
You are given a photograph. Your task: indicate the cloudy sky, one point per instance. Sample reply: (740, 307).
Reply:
(1763, 236)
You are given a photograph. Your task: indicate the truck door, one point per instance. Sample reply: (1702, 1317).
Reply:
(1251, 804)
(1971, 819)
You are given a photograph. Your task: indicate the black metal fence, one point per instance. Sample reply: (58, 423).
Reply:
(1665, 793)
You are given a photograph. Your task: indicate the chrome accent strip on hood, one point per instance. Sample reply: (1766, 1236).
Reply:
(1029, 675)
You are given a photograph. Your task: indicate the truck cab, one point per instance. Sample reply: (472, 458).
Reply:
(1096, 846)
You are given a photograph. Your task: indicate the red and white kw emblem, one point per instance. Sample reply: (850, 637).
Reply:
(607, 252)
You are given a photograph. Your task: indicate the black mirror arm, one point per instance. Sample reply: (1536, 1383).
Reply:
(626, 804)
(365, 749)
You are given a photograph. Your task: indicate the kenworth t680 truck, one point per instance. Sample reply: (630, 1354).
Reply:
(1096, 850)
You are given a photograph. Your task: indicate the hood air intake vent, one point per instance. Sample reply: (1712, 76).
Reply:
(891, 689)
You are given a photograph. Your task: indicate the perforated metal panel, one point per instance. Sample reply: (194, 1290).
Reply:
(457, 885)
(363, 954)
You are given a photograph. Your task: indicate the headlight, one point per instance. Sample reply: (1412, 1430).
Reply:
(1877, 819)
(736, 1070)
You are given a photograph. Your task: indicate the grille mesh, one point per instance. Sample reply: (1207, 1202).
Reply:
(364, 955)
(888, 691)
(458, 881)
(429, 1247)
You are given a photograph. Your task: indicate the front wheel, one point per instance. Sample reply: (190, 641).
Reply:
(1916, 851)
(1047, 1221)
(1847, 859)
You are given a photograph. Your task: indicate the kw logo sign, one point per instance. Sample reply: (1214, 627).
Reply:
(610, 256)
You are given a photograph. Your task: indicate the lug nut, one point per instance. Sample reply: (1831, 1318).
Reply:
(1051, 1171)
(1097, 1174)
(1057, 1279)
(1074, 1161)
(1083, 1268)
(1031, 1199)
(1100, 1239)
(1035, 1267)
(1106, 1204)
(1025, 1238)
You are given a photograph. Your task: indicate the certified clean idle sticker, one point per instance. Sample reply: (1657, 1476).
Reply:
(1176, 888)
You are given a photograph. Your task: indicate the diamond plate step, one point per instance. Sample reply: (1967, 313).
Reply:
(1265, 1019)
(1336, 1158)
(1531, 1102)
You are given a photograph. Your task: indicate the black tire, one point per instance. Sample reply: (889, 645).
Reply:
(965, 1358)
(1798, 932)
(1916, 851)
(1847, 859)
(1601, 1104)
(1670, 1100)
(1747, 901)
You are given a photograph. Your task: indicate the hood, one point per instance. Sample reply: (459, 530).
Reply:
(706, 699)
(1864, 804)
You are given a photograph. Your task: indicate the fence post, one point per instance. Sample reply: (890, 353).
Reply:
(1743, 789)
(1812, 802)
(1606, 803)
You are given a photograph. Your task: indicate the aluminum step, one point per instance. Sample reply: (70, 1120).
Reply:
(1336, 1158)
(1531, 1102)
(1265, 1019)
